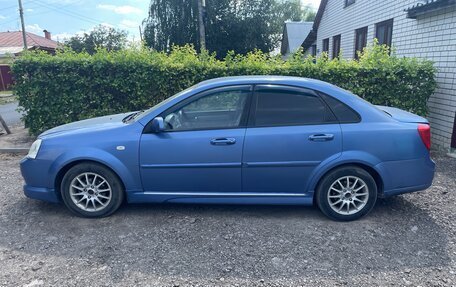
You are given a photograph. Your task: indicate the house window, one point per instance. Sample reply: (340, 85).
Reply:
(336, 46)
(313, 50)
(349, 2)
(360, 40)
(384, 32)
(326, 45)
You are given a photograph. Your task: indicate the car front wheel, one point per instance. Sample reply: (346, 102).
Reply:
(346, 193)
(91, 190)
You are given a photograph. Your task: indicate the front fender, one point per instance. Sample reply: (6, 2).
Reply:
(128, 175)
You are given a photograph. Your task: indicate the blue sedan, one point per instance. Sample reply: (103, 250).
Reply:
(236, 140)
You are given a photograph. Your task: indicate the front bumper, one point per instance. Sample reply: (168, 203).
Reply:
(41, 193)
(38, 182)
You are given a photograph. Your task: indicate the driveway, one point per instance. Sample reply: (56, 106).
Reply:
(9, 114)
(406, 240)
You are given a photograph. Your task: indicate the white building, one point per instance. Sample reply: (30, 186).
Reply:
(423, 29)
(294, 33)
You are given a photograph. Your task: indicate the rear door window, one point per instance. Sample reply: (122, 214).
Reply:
(287, 106)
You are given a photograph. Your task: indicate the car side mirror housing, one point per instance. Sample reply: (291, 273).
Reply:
(158, 125)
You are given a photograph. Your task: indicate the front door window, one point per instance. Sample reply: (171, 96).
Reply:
(219, 110)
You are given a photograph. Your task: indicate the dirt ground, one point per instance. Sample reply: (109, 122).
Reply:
(408, 240)
(19, 138)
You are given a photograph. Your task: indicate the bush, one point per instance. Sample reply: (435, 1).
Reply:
(69, 86)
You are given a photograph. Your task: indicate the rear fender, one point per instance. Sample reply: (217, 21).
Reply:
(346, 157)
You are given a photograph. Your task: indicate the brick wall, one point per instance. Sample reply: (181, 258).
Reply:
(431, 36)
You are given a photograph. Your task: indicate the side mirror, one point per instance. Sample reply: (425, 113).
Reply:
(158, 125)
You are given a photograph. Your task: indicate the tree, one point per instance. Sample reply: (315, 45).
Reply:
(238, 25)
(171, 22)
(101, 36)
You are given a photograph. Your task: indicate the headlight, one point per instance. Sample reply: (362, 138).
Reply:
(34, 149)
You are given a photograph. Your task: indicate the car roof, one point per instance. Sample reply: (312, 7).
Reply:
(263, 79)
(367, 110)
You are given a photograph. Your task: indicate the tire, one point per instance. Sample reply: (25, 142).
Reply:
(87, 198)
(345, 202)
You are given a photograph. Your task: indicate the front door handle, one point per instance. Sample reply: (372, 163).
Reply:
(223, 141)
(321, 137)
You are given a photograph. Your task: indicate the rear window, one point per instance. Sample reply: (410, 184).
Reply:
(344, 113)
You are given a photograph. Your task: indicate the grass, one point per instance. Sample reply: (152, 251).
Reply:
(5, 93)
(6, 97)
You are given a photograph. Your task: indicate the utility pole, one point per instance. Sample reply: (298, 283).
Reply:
(140, 33)
(21, 13)
(202, 28)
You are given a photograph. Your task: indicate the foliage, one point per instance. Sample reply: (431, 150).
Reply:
(70, 86)
(100, 37)
(241, 26)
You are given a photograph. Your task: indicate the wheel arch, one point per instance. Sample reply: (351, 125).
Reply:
(61, 173)
(368, 168)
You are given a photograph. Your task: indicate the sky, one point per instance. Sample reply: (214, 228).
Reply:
(65, 18)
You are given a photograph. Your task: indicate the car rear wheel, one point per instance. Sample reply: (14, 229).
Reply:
(91, 190)
(346, 193)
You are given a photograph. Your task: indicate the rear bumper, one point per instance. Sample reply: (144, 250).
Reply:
(406, 175)
(398, 191)
(41, 193)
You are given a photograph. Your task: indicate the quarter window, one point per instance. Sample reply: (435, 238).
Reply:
(223, 109)
(281, 106)
(343, 113)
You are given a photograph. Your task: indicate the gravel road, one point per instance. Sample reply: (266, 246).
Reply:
(406, 240)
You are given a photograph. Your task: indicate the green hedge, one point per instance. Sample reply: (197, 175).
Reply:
(67, 87)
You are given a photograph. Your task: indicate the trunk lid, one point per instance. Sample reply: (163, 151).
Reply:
(403, 116)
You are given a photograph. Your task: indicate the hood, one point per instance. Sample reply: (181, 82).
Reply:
(94, 124)
(402, 116)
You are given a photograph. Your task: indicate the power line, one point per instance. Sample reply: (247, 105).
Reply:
(16, 18)
(49, 10)
(10, 7)
(69, 13)
(59, 10)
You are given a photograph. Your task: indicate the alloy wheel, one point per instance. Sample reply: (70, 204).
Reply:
(348, 195)
(90, 191)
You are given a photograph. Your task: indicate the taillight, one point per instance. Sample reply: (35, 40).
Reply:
(425, 133)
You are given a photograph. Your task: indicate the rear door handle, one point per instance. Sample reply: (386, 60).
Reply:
(321, 137)
(223, 141)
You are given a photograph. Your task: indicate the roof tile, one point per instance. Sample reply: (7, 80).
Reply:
(14, 39)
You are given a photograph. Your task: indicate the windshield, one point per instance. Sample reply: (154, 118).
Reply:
(146, 112)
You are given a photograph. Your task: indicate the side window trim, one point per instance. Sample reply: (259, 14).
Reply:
(254, 104)
(243, 122)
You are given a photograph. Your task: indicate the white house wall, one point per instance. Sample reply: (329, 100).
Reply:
(431, 36)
